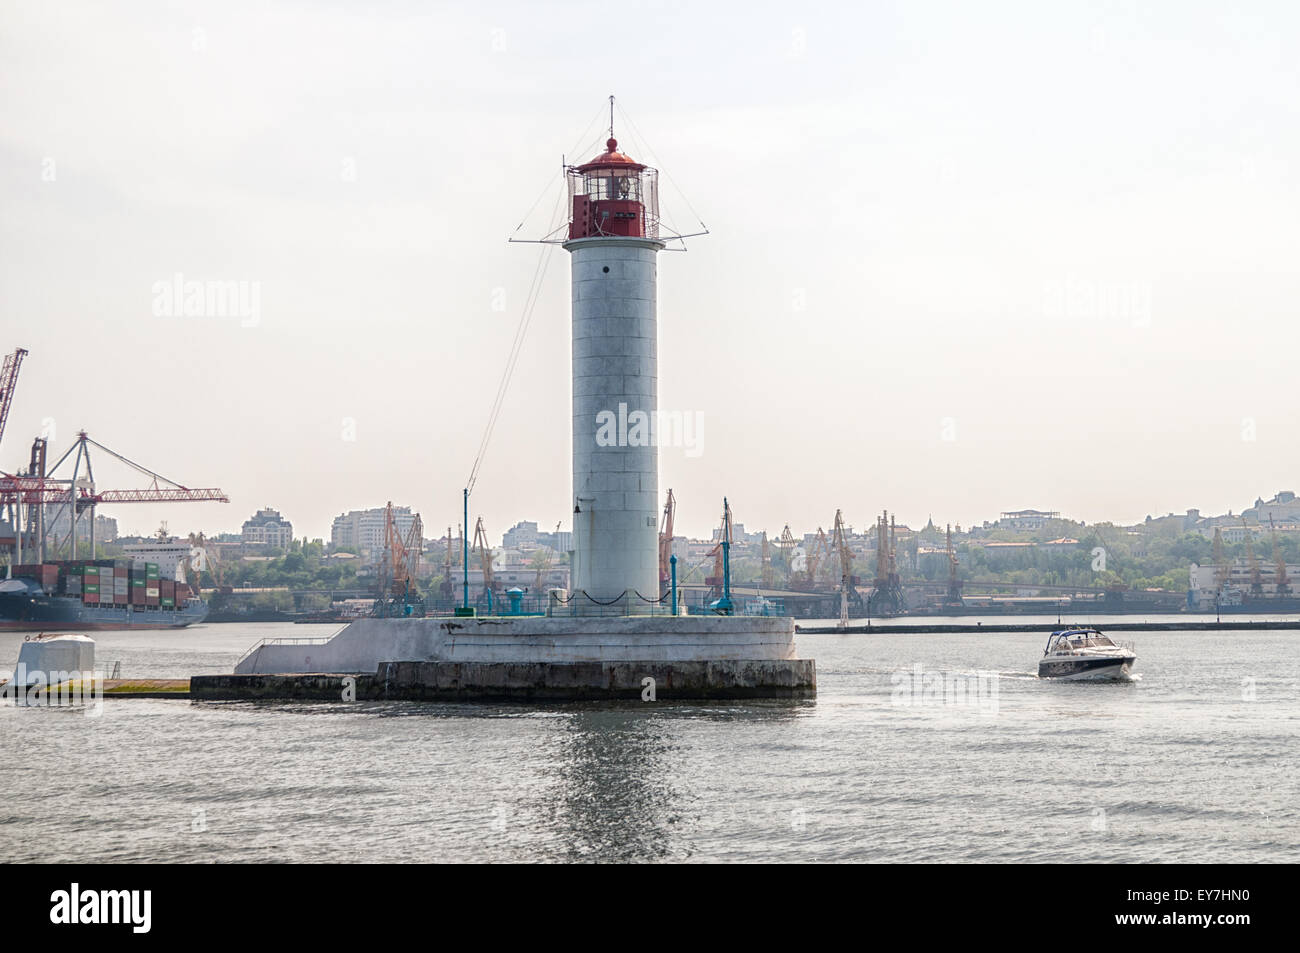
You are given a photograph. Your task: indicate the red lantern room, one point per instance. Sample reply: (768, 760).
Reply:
(613, 196)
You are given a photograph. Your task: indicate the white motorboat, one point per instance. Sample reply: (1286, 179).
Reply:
(1078, 654)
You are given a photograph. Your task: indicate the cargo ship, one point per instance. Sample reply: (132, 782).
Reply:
(95, 594)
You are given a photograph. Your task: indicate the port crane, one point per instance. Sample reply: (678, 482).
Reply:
(665, 544)
(399, 567)
(8, 381)
(1222, 571)
(806, 578)
(76, 494)
(821, 552)
(451, 560)
(887, 595)
(787, 544)
(485, 559)
(953, 598)
(765, 566)
(1256, 574)
(200, 560)
(718, 582)
(1281, 580)
(27, 494)
(850, 600)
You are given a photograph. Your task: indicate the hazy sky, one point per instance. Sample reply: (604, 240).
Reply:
(964, 257)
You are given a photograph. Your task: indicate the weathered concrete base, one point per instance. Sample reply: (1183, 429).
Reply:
(367, 643)
(526, 681)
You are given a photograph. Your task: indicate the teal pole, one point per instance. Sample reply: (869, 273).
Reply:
(464, 539)
(724, 604)
(672, 562)
(726, 575)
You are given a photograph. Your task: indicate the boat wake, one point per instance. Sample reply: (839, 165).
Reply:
(1116, 679)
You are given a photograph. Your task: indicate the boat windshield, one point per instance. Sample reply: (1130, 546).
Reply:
(1068, 641)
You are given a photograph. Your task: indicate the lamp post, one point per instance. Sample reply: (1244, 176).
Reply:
(672, 563)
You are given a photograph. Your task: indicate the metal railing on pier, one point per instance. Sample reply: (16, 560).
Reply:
(317, 640)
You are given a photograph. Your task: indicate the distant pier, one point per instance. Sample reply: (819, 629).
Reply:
(927, 628)
(115, 688)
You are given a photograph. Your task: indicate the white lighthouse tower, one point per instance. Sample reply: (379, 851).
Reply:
(613, 241)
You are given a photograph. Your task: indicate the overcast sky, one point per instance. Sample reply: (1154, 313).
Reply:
(963, 257)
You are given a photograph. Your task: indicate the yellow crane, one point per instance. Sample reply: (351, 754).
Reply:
(485, 557)
(401, 560)
(449, 561)
(887, 595)
(820, 555)
(716, 580)
(666, 544)
(848, 581)
(849, 597)
(1222, 571)
(766, 564)
(954, 597)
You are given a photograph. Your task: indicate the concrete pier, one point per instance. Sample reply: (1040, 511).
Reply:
(537, 658)
(526, 681)
(364, 644)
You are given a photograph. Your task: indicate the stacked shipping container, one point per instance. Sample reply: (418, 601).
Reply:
(108, 582)
(47, 575)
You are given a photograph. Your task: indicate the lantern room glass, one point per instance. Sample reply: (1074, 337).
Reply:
(617, 184)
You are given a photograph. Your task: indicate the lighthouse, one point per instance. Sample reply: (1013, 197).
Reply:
(603, 641)
(613, 243)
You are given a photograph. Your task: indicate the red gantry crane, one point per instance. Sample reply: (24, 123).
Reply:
(38, 488)
(78, 492)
